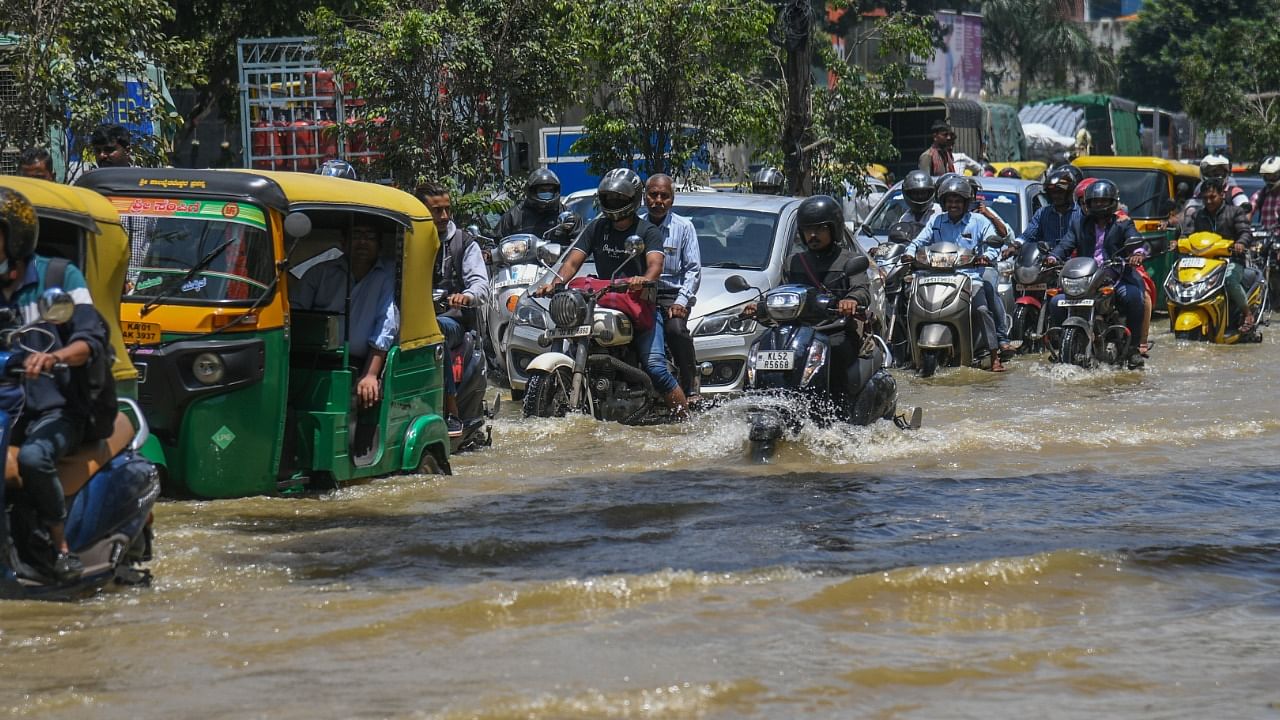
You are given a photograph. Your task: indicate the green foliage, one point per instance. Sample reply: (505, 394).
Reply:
(1038, 39)
(1234, 83)
(442, 81)
(72, 59)
(671, 77)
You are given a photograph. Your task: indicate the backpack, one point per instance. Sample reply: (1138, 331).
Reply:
(102, 406)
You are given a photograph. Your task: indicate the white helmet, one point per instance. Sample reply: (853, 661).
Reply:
(1215, 166)
(1269, 169)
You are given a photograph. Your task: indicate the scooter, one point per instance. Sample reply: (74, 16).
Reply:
(942, 325)
(895, 268)
(1093, 331)
(110, 490)
(789, 373)
(469, 378)
(1198, 304)
(1032, 280)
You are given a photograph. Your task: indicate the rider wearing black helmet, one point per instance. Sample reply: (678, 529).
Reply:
(768, 181)
(58, 400)
(1050, 223)
(338, 168)
(604, 240)
(918, 193)
(1099, 234)
(539, 211)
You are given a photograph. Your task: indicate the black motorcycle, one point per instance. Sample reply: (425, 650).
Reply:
(468, 368)
(1094, 330)
(789, 373)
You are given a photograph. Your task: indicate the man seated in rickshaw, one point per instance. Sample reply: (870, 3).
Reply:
(374, 320)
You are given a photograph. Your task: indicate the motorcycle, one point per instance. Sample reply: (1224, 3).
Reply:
(1198, 304)
(895, 268)
(110, 490)
(598, 372)
(1093, 330)
(791, 364)
(469, 378)
(941, 322)
(1032, 280)
(515, 268)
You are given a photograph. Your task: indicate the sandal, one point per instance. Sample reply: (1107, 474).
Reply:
(997, 366)
(1144, 349)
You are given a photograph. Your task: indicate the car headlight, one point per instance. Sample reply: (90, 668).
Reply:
(783, 306)
(1076, 286)
(728, 324)
(532, 315)
(208, 368)
(514, 250)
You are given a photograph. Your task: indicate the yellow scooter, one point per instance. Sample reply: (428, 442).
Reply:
(1196, 288)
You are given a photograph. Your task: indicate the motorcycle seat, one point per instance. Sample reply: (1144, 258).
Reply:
(75, 469)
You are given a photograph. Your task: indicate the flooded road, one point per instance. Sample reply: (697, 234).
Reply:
(1052, 543)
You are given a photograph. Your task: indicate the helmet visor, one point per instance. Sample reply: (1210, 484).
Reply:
(612, 202)
(919, 195)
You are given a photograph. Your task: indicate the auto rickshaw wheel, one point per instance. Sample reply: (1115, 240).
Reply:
(432, 464)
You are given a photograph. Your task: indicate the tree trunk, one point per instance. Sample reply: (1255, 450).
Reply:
(797, 23)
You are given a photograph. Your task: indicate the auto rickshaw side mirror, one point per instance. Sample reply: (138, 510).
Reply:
(55, 306)
(297, 225)
(1183, 191)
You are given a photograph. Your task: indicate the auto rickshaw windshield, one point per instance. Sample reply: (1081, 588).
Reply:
(201, 260)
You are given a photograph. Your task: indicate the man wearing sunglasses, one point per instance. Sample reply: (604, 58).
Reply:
(938, 159)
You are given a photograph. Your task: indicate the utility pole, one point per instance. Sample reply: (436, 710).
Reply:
(795, 34)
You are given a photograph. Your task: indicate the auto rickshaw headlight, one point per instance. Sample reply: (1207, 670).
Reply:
(208, 368)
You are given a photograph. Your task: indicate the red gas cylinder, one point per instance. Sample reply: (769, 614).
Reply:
(265, 145)
(304, 144)
(327, 139)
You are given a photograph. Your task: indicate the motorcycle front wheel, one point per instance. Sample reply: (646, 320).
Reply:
(547, 394)
(1075, 347)
(929, 362)
(1025, 319)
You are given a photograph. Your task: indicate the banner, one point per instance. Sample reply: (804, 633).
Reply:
(957, 70)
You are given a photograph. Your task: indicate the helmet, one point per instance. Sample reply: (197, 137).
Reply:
(1215, 166)
(917, 190)
(955, 185)
(21, 227)
(1269, 169)
(542, 189)
(1077, 175)
(1010, 173)
(1061, 179)
(1081, 187)
(820, 210)
(767, 181)
(1101, 199)
(619, 193)
(338, 168)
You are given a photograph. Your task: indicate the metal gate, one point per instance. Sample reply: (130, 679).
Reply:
(294, 113)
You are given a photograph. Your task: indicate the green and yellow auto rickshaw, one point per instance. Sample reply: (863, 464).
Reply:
(249, 394)
(1150, 189)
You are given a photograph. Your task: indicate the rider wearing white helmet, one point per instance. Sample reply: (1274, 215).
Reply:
(1267, 200)
(1218, 166)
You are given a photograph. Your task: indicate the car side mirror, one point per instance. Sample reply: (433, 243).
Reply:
(860, 264)
(55, 306)
(297, 225)
(736, 284)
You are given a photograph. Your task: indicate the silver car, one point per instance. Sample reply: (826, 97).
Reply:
(1015, 201)
(738, 234)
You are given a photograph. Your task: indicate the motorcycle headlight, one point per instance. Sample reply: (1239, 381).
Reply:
(728, 324)
(514, 250)
(783, 306)
(1026, 274)
(568, 309)
(1076, 286)
(530, 314)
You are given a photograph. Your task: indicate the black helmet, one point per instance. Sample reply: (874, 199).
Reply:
(767, 181)
(955, 185)
(820, 210)
(542, 189)
(1101, 199)
(338, 168)
(1076, 173)
(21, 227)
(917, 190)
(619, 193)
(1062, 179)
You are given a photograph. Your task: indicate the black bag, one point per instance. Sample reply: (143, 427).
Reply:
(102, 405)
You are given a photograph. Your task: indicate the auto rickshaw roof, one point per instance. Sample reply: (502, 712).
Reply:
(78, 206)
(242, 186)
(1133, 162)
(309, 190)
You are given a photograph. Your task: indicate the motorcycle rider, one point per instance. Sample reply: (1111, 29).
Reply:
(604, 240)
(538, 213)
(918, 193)
(827, 265)
(1049, 224)
(52, 424)
(1218, 166)
(1232, 223)
(938, 159)
(1099, 233)
(969, 230)
(768, 181)
(460, 270)
(1266, 202)
(681, 270)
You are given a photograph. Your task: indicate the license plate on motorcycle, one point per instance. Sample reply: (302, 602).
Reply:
(1191, 262)
(775, 360)
(1076, 303)
(934, 279)
(1038, 287)
(569, 333)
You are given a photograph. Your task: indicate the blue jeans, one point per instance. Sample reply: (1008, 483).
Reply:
(991, 283)
(453, 334)
(652, 346)
(46, 438)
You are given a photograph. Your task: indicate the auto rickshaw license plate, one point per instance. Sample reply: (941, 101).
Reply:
(1191, 262)
(577, 332)
(775, 360)
(140, 333)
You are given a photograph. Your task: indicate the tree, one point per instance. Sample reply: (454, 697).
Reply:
(672, 79)
(443, 81)
(1038, 38)
(72, 60)
(1234, 83)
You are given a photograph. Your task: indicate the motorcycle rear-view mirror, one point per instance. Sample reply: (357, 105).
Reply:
(860, 264)
(736, 284)
(473, 230)
(297, 225)
(994, 241)
(634, 245)
(55, 306)
(549, 252)
(564, 218)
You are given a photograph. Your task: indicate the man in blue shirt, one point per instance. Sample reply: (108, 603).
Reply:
(681, 273)
(1051, 222)
(970, 231)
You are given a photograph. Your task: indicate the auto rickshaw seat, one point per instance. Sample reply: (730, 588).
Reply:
(75, 469)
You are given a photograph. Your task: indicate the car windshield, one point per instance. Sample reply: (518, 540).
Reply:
(732, 238)
(196, 251)
(1141, 191)
(584, 207)
(1005, 204)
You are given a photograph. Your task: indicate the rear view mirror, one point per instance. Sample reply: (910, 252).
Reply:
(994, 241)
(635, 246)
(473, 230)
(55, 306)
(736, 284)
(548, 253)
(565, 218)
(297, 225)
(860, 264)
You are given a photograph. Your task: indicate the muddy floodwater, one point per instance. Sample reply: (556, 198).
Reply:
(1052, 543)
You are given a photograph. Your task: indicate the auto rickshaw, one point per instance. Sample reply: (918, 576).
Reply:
(1151, 189)
(248, 394)
(1027, 169)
